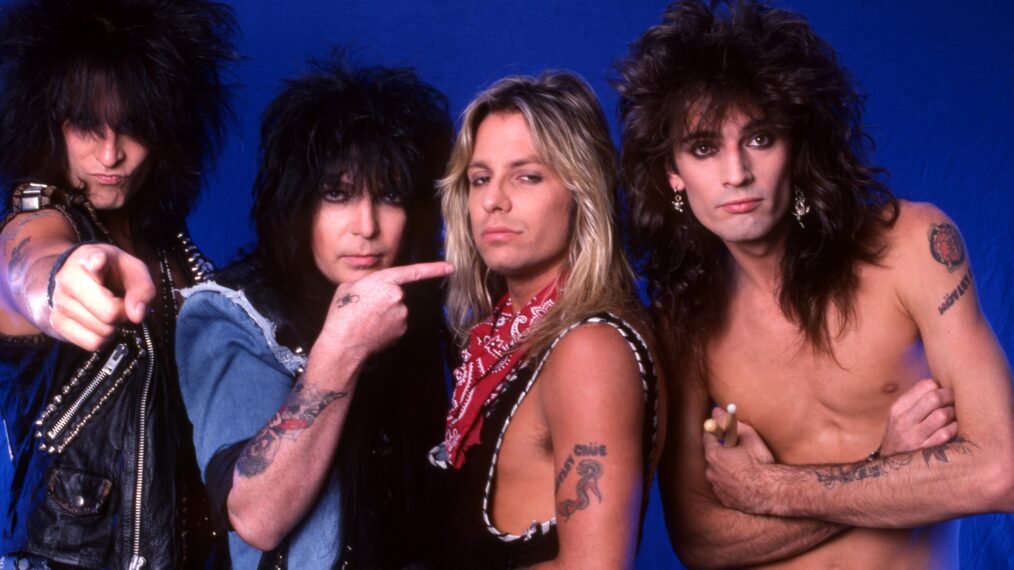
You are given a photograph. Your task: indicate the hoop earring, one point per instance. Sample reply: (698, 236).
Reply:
(677, 201)
(799, 207)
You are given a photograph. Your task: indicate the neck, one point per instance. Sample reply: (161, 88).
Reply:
(758, 264)
(521, 290)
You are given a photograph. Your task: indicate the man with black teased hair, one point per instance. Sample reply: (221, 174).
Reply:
(109, 113)
(787, 279)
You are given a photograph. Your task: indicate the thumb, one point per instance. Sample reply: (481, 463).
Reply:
(711, 442)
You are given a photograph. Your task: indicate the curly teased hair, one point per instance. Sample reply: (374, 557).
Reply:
(152, 69)
(754, 58)
(375, 129)
(384, 132)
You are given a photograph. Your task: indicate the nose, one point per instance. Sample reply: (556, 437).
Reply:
(495, 197)
(736, 168)
(364, 218)
(110, 151)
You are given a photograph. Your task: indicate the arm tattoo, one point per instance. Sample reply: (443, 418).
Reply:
(832, 475)
(589, 471)
(299, 411)
(347, 299)
(564, 471)
(22, 221)
(945, 245)
(939, 452)
(17, 265)
(957, 293)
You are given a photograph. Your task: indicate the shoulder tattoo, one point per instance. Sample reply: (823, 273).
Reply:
(946, 246)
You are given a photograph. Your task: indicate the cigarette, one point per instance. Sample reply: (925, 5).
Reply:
(731, 434)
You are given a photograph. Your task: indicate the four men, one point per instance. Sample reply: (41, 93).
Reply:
(783, 277)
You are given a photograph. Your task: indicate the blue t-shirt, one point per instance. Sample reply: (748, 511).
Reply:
(234, 376)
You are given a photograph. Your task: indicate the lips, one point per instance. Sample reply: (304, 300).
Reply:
(742, 206)
(108, 179)
(498, 234)
(363, 261)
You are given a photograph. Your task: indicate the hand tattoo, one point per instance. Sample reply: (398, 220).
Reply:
(297, 413)
(945, 246)
(347, 299)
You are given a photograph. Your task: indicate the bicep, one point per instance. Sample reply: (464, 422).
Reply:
(594, 403)
(939, 289)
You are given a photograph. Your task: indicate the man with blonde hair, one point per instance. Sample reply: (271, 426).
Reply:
(541, 299)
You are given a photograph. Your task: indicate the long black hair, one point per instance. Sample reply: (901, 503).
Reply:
(385, 132)
(152, 69)
(750, 57)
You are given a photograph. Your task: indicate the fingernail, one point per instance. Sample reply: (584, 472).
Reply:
(139, 309)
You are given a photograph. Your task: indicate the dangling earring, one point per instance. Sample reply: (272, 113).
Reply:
(799, 207)
(677, 200)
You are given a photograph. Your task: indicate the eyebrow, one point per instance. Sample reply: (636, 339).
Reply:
(753, 125)
(533, 159)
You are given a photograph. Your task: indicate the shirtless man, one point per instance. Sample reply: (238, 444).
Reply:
(543, 301)
(787, 279)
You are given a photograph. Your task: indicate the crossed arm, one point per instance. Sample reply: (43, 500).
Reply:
(704, 532)
(974, 473)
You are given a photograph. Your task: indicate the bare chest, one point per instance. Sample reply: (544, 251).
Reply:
(811, 405)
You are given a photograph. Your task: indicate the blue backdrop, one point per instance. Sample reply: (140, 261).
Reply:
(939, 80)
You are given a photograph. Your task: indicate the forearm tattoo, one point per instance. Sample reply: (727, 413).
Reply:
(833, 475)
(589, 472)
(299, 411)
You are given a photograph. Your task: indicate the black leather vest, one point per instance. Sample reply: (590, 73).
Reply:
(103, 472)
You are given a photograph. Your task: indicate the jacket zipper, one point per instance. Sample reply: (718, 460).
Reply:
(136, 560)
(107, 370)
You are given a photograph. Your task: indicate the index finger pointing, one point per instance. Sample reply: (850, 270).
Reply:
(418, 271)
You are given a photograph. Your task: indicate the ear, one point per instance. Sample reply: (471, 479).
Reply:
(675, 181)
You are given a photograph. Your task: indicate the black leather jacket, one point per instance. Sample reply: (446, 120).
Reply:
(102, 472)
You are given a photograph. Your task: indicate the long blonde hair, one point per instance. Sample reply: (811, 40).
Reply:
(572, 137)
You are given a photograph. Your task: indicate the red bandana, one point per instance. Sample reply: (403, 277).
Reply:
(488, 359)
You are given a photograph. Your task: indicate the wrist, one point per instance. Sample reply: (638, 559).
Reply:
(338, 361)
(775, 493)
(58, 265)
